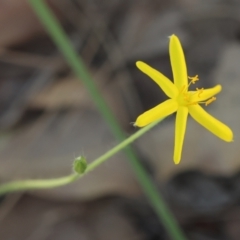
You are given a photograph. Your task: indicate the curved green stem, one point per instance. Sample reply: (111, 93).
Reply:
(120, 146)
(57, 182)
(37, 184)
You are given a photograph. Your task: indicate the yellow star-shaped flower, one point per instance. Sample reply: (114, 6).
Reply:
(182, 100)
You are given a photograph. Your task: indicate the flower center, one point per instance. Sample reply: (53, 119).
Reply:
(185, 98)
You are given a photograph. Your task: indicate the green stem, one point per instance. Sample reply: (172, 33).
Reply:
(57, 182)
(120, 146)
(37, 184)
(61, 40)
(150, 189)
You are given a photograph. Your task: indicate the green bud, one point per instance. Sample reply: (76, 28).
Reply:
(80, 165)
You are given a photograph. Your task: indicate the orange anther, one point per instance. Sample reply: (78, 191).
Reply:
(210, 101)
(200, 91)
(193, 79)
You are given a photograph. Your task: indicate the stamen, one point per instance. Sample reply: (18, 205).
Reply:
(186, 97)
(192, 103)
(193, 79)
(199, 91)
(210, 101)
(182, 89)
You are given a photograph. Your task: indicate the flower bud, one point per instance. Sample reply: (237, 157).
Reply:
(80, 165)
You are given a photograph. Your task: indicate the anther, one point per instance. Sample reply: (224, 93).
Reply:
(193, 79)
(199, 91)
(210, 101)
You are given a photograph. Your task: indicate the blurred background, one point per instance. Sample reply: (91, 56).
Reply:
(47, 118)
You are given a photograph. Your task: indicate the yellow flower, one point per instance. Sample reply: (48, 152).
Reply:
(181, 100)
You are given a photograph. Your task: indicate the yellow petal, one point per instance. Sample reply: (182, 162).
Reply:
(162, 110)
(178, 63)
(212, 124)
(206, 94)
(180, 129)
(163, 82)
